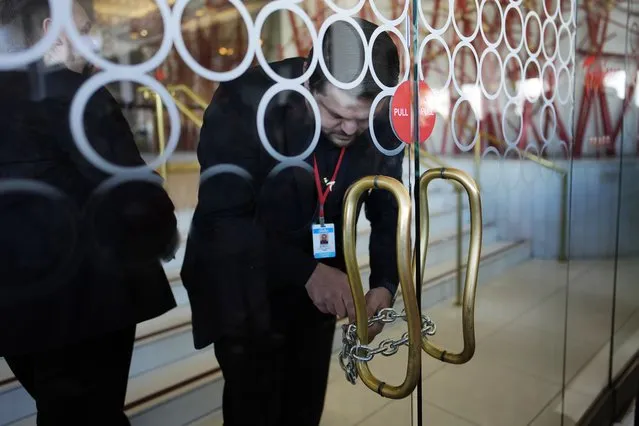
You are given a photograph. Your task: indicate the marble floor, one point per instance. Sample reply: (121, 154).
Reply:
(539, 326)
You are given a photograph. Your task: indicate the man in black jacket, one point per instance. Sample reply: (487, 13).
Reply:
(259, 288)
(79, 250)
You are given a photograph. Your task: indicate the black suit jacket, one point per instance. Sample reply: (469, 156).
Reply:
(79, 251)
(251, 231)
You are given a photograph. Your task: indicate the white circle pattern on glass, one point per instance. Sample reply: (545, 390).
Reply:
(553, 61)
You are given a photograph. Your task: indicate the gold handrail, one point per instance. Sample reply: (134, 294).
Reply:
(188, 113)
(563, 206)
(159, 115)
(191, 115)
(189, 93)
(413, 317)
(181, 107)
(472, 263)
(159, 112)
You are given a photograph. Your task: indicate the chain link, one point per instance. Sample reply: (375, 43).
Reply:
(353, 350)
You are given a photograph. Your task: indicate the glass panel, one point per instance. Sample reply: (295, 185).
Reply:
(626, 324)
(593, 199)
(501, 74)
(597, 305)
(217, 263)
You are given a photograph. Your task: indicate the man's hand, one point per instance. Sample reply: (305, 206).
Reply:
(329, 290)
(376, 300)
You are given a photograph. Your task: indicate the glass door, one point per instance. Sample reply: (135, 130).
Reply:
(500, 77)
(376, 363)
(410, 336)
(299, 135)
(269, 125)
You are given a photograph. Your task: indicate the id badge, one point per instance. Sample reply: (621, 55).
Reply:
(324, 241)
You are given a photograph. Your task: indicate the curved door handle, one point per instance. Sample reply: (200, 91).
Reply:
(472, 270)
(407, 283)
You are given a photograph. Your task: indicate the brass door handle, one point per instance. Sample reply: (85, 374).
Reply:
(407, 282)
(472, 270)
(405, 263)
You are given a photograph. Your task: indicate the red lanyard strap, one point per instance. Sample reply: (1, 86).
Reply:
(323, 195)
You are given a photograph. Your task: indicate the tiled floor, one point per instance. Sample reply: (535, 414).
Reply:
(516, 375)
(182, 188)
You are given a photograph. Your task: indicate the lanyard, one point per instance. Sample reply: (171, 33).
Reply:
(323, 195)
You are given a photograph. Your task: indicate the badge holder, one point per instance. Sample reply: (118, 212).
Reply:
(323, 240)
(324, 233)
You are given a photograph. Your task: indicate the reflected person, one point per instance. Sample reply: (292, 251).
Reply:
(263, 287)
(80, 260)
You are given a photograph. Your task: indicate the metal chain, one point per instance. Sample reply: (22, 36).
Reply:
(353, 350)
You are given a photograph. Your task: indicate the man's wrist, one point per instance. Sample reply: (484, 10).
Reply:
(392, 290)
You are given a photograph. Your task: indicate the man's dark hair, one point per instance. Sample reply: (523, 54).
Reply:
(344, 56)
(21, 23)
